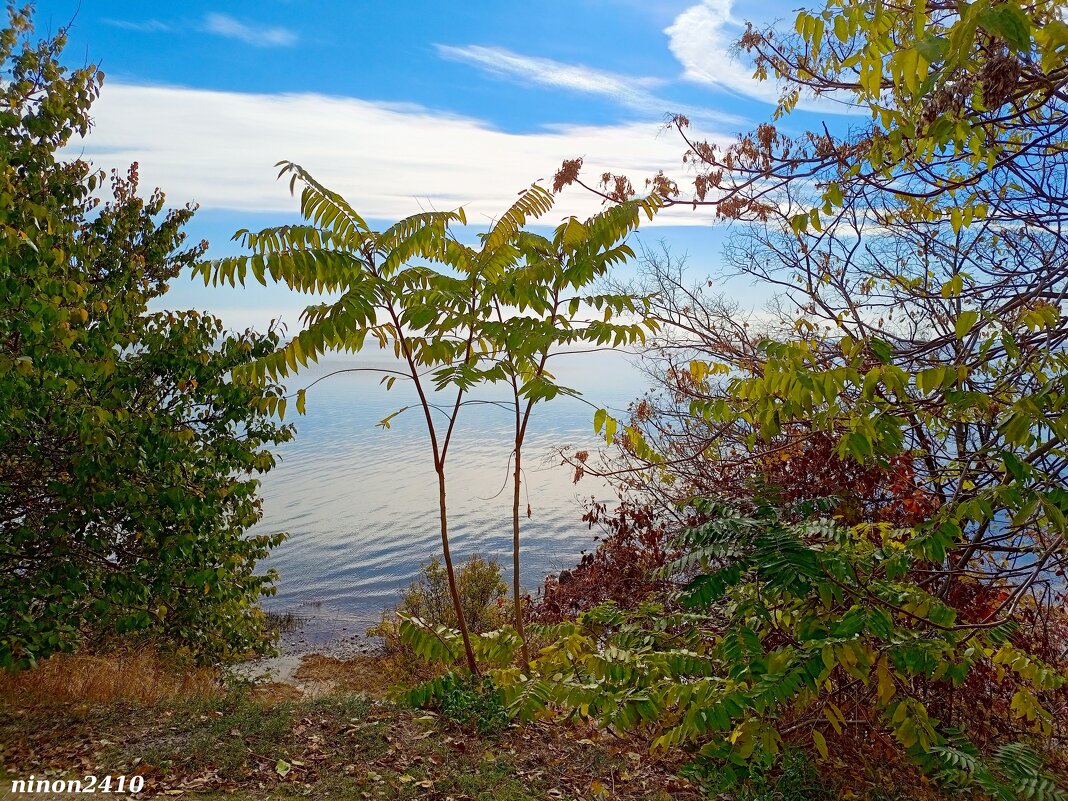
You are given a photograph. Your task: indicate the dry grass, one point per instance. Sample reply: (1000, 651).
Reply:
(122, 677)
(275, 692)
(369, 674)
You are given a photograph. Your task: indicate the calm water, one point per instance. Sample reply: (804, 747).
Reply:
(360, 503)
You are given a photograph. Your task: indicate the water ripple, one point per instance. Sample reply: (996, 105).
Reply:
(360, 503)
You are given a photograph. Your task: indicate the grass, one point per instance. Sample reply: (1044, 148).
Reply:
(126, 676)
(364, 673)
(253, 743)
(283, 622)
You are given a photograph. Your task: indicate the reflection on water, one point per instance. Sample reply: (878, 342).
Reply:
(360, 503)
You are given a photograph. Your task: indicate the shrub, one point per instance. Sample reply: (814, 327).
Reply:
(483, 597)
(622, 568)
(795, 636)
(128, 456)
(470, 702)
(483, 594)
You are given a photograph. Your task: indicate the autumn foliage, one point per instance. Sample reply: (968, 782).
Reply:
(625, 567)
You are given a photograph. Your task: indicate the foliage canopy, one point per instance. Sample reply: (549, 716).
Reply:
(882, 455)
(126, 454)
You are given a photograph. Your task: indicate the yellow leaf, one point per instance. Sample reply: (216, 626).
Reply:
(841, 29)
(832, 718)
(956, 219)
(821, 744)
(908, 63)
(886, 686)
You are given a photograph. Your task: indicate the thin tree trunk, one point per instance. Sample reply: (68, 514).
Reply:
(516, 596)
(460, 617)
(439, 467)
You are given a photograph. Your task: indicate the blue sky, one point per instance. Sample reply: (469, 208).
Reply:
(408, 105)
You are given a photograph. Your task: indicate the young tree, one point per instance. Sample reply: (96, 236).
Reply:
(551, 316)
(126, 455)
(430, 319)
(496, 316)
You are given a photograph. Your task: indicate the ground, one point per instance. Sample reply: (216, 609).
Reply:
(246, 742)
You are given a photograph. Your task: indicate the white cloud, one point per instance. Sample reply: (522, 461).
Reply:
(258, 315)
(145, 26)
(703, 37)
(219, 148)
(631, 90)
(258, 36)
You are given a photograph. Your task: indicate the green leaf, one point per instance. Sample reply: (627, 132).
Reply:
(955, 285)
(599, 418)
(833, 193)
(859, 445)
(962, 34)
(1010, 22)
(964, 323)
(1014, 466)
(932, 48)
(282, 768)
(931, 379)
(387, 420)
(881, 350)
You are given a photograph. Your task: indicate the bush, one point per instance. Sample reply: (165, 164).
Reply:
(127, 453)
(469, 702)
(483, 598)
(483, 594)
(622, 569)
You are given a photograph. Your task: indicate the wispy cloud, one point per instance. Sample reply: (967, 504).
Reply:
(216, 24)
(141, 26)
(256, 35)
(630, 90)
(702, 38)
(218, 148)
